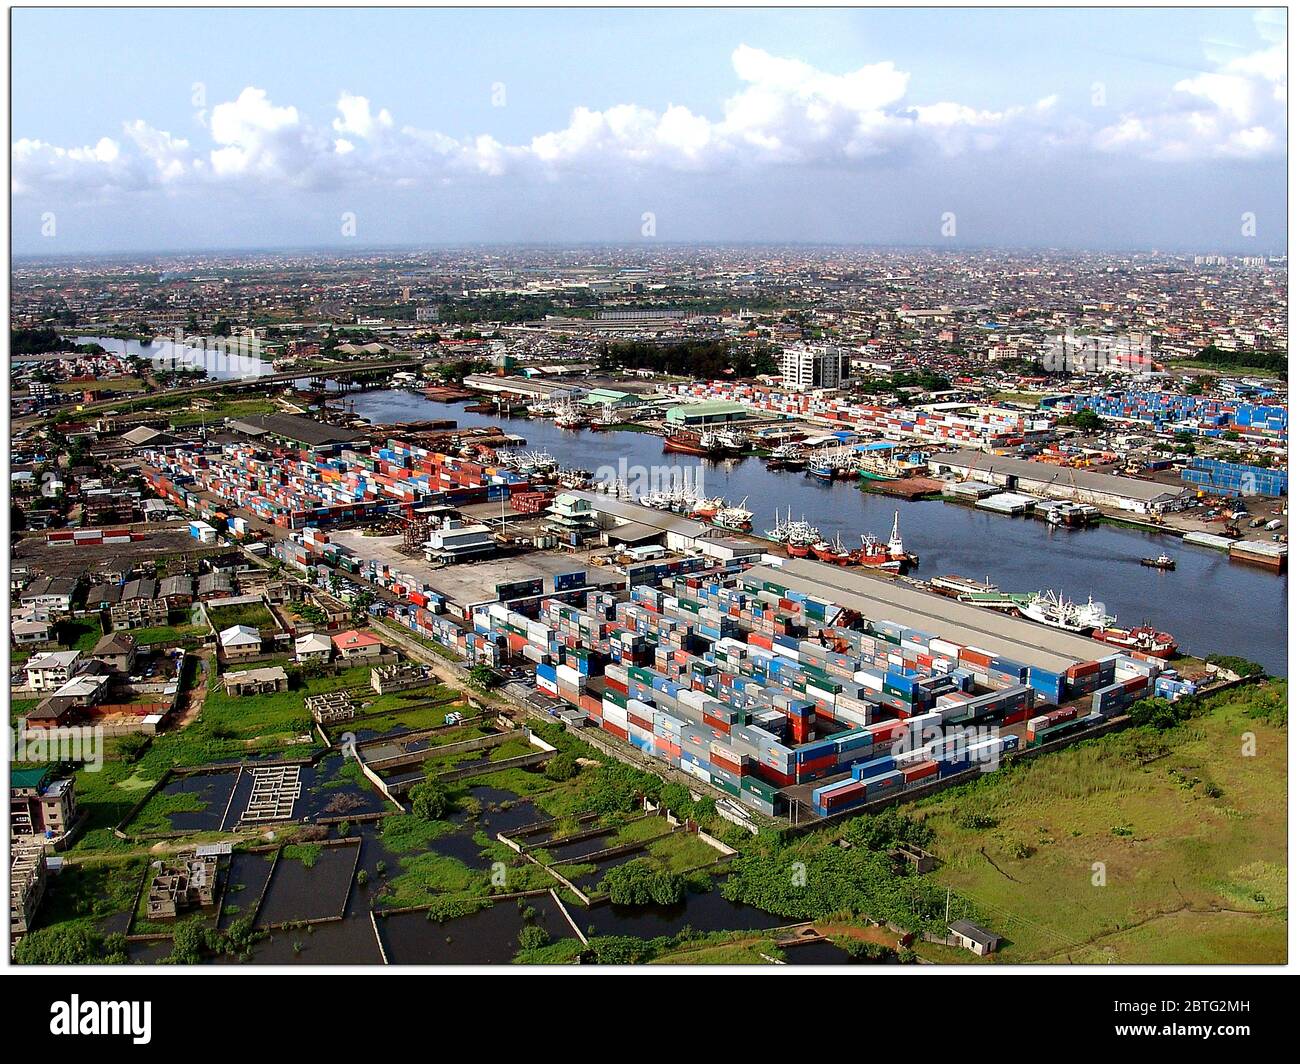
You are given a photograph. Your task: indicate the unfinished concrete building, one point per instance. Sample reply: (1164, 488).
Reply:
(332, 707)
(388, 678)
(181, 883)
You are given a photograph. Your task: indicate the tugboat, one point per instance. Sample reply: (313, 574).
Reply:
(875, 555)
(889, 555)
(1163, 562)
(897, 552)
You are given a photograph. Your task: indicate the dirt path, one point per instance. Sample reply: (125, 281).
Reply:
(196, 695)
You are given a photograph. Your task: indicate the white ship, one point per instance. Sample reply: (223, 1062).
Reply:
(799, 534)
(1056, 611)
(570, 416)
(735, 518)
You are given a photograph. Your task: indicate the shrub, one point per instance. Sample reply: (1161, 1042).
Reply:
(561, 767)
(533, 937)
(639, 882)
(430, 801)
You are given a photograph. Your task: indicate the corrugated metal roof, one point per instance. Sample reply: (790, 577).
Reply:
(1043, 473)
(883, 599)
(642, 515)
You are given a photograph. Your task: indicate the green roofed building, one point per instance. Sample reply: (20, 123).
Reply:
(40, 803)
(711, 412)
(610, 397)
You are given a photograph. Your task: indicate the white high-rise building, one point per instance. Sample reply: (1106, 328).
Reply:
(808, 366)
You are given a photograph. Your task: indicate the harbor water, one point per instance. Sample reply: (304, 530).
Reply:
(1210, 604)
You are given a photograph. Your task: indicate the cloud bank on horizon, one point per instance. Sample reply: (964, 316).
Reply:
(786, 114)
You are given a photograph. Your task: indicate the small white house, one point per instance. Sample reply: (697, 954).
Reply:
(314, 647)
(240, 641)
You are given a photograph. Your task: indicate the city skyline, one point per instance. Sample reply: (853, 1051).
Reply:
(1078, 130)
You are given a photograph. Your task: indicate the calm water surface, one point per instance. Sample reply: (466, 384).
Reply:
(1209, 603)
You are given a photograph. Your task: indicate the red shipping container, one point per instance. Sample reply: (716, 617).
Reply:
(614, 730)
(920, 771)
(974, 657)
(770, 775)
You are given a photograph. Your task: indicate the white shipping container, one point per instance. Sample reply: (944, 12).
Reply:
(944, 648)
(873, 681)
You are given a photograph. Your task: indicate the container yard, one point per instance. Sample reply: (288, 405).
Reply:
(757, 681)
(1201, 415)
(991, 427)
(296, 489)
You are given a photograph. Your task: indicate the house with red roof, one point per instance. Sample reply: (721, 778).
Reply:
(353, 644)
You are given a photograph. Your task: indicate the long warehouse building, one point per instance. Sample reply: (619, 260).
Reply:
(1077, 485)
(881, 598)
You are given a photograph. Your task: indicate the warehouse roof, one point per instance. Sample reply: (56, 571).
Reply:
(881, 599)
(296, 429)
(1044, 473)
(712, 406)
(635, 513)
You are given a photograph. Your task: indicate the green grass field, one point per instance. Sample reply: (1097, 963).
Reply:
(253, 614)
(1191, 834)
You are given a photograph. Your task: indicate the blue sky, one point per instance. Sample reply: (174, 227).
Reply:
(1088, 128)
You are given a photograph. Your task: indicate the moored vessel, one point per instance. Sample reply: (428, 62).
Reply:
(1144, 639)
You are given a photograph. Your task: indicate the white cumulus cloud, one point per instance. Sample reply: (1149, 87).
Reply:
(784, 112)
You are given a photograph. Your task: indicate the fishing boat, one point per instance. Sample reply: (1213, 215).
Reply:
(574, 479)
(707, 509)
(821, 470)
(1144, 639)
(879, 467)
(881, 461)
(607, 417)
(686, 443)
(1162, 562)
(1056, 611)
(786, 456)
(725, 442)
(833, 553)
(797, 536)
(570, 416)
(735, 518)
